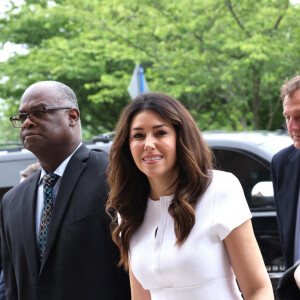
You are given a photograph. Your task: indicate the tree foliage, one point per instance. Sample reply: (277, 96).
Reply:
(224, 59)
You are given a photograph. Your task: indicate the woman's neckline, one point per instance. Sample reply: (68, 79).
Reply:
(166, 197)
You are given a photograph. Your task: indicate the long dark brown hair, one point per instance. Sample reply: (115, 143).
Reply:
(129, 187)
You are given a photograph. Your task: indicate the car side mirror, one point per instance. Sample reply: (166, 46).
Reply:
(262, 194)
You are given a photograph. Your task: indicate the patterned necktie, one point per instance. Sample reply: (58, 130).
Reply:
(49, 181)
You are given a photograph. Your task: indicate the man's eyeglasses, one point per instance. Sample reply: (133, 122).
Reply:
(35, 115)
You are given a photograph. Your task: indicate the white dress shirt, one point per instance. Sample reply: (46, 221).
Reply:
(40, 197)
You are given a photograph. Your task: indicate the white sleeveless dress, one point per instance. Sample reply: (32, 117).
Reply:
(200, 269)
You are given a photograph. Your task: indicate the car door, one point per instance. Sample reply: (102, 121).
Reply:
(251, 169)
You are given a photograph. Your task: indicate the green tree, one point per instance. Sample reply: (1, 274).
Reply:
(224, 59)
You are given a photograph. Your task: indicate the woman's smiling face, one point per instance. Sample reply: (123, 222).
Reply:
(152, 142)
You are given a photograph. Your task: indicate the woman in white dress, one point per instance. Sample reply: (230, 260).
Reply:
(184, 231)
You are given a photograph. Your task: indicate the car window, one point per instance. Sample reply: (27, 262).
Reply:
(248, 168)
(251, 169)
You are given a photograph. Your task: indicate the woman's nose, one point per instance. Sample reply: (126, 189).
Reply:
(149, 144)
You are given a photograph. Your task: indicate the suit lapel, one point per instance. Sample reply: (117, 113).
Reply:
(69, 180)
(28, 222)
(290, 194)
(292, 178)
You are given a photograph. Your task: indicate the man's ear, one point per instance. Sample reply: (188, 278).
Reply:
(73, 116)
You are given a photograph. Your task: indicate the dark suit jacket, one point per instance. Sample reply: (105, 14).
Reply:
(287, 287)
(2, 287)
(80, 260)
(285, 168)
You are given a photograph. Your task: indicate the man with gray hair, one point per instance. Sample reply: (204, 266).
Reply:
(285, 169)
(55, 233)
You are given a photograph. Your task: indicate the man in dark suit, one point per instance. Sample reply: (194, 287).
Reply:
(55, 238)
(285, 169)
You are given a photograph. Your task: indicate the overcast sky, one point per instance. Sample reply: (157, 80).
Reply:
(8, 47)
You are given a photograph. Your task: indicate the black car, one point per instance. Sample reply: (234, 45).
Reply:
(248, 156)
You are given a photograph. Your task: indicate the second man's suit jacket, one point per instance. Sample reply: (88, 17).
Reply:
(285, 168)
(80, 260)
(287, 287)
